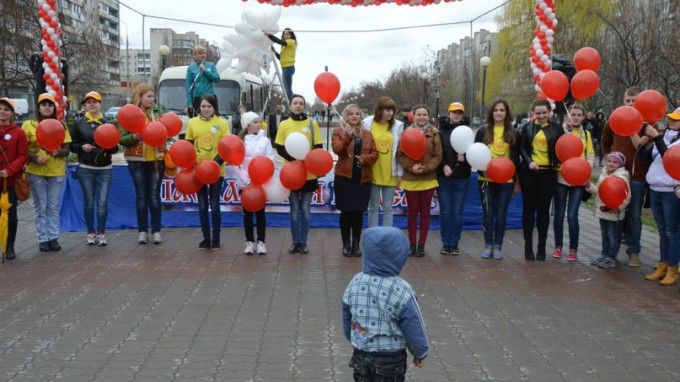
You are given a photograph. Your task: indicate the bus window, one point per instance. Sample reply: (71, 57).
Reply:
(172, 96)
(228, 97)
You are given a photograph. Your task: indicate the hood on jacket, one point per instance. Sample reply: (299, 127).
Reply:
(385, 251)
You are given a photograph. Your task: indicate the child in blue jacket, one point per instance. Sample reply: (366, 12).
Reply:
(380, 312)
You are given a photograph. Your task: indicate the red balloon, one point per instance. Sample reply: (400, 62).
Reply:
(613, 191)
(107, 136)
(671, 162)
(183, 154)
(555, 85)
(585, 84)
(260, 170)
(186, 182)
(576, 171)
(651, 104)
(319, 162)
(327, 87)
(172, 123)
(500, 170)
(293, 175)
(413, 143)
(50, 134)
(625, 120)
(568, 146)
(253, 198)
(208, 171)
(232, 149)
(410, 117)
(132, 118)
(587, 59)
(154, 134)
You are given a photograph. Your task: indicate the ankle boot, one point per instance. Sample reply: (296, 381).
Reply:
(659, 273)
(671, 276)
(420, 250)
(356, 249)
(412, 250)
(529, 251)
(346, 250)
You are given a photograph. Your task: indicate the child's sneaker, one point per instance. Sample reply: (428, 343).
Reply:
(143, 237)
(572, 256)
(101, 239)
(558, 253)
(261, 248)
(608, 262)
(487, 253)
(597, 260)
(156, 238)
(497, 254)
(91, 238)
(249, 248)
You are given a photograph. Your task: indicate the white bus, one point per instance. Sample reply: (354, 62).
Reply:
(232, 90)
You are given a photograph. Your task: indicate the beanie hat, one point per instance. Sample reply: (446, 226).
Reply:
(248, 117)
(617, 156)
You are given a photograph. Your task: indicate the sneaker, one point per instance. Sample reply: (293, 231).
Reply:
(248, 247)
(215, 245)
(91, 238)
(44, 246)
(497, 255)
(597, 260)
(294, 248)
(156, 238)
(205, 244)
(303, 248)
(261, 248)
(454, 250)
(634, 260)
(558, 253)
(607, 262)
(445, 250)
(572, 256)
(101, 239)
(143, 237)
(487, 253)
(54, 245)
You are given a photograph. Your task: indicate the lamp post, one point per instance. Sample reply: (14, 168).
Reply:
(164, 51)
(484, 62)
(425, 77)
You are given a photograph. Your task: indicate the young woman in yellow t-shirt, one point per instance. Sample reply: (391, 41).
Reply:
(502, 140)
(288, 43)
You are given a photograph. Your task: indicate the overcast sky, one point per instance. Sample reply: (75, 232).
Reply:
(353, 57)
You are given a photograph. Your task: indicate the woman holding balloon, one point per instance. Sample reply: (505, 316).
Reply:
(420, 175)
(204, 132)
(47, 172)
(356, 154)
(495, 193)
(301, 198)
(146, 165)
(538, 176)
(95, 168)
(14, 148)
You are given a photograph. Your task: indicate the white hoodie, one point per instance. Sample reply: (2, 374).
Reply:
(657, 177)
(256, 145)
(620, 212)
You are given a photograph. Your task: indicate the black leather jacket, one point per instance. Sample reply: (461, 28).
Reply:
(526, 138)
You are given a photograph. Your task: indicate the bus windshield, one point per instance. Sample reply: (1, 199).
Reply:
(172, 96)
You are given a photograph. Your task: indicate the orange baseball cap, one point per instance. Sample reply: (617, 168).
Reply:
(9, 102)
(675, 115)
(46, 96)
(94, 95)
(456, 106)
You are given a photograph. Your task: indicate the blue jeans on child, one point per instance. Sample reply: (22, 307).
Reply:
(300, 204)
(209, 196)
(96, 185)
(495, 198)
(666, 210)
(46, 191)
(451, 194)
(574, 193)
(379, 366)
(611, 237)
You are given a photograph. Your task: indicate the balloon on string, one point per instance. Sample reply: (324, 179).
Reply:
(410, 117)
(479, 156)
(293, 175)
(50, 134)
(413, 143)
(319, 162)
(576, 171)
(671, 162)
(461, 138)
(585, 84)
(651, 104)
(568, 146)
(587, 58)
(555, 85)
(276, 192)
(183, 154)
(186, 182)
(232, 149)
(297, 145)
(132, 118)
(172, 123)
(260, 169)
(500, 169)
(154, 134)
(253, 198)
(625, 121)
(208, 171)
(613, 192)
(327, 87)
(107, 136)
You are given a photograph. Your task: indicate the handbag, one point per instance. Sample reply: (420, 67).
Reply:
(22, 189)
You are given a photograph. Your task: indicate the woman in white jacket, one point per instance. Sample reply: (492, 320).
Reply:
(387, 171)
(257, 144)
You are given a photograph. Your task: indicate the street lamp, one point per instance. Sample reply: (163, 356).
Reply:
(425, 77)
(484, 62)
(164, 51)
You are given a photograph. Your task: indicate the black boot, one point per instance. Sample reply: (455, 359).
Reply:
(346, 249)
(412, 250)
(9, 254)
(420, 251)
(529, 252)
(11, 237)
(356, 249)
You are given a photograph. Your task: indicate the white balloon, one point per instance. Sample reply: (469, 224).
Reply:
(462, 137)
(275, 191)
(242, 27)
(478, 155)
(223, 63)
(297, 145)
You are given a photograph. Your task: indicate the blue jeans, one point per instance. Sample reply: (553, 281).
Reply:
(611, 237)
(574, 193)
(495, 198)
(300, 203)
(386, 194)
(634, 215)
(46, 191)
(209, 196)
(287, 74)
(452, 193)
(666, 210)
(95, 185)
(147, 177)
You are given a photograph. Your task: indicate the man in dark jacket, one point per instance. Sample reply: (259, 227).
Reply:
(275, 119)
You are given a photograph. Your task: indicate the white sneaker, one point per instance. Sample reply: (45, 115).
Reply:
(156, 238)
(249, 248)
(261, 248)
(91, 239)
(143, 237)
(101, 239)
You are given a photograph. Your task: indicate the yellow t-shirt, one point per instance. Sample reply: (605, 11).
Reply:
(499, 148)
(419, 185)
(382, 168)
(288, 53)
(540, 146)
(54, 166)
(206, 135)
(290, 126)
(150, 153)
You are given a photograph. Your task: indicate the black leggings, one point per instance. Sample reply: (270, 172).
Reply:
(351, 221)
(538, 188)
(261, 224)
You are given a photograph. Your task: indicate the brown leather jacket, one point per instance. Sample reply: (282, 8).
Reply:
(431, 159)
(343, 146)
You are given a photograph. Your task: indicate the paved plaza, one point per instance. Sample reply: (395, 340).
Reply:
(170, 312)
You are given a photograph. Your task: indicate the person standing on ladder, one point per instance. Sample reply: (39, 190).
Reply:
(288, 43)
(201, 78)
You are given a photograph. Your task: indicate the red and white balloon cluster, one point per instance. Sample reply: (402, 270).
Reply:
(354, 3)
(544, 35)
(51, 52)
